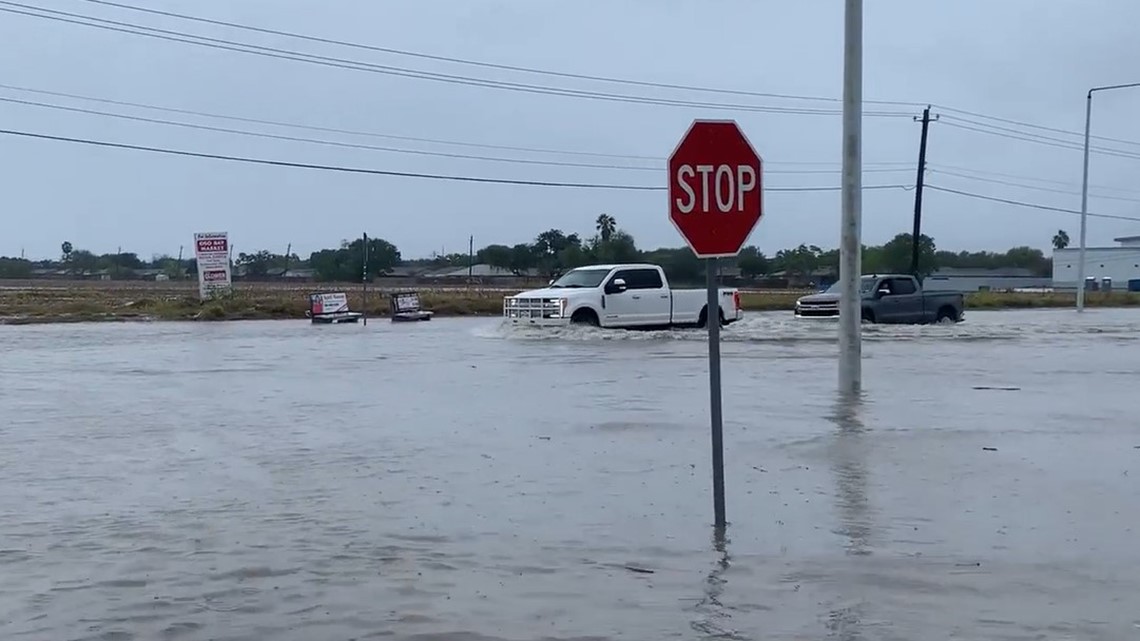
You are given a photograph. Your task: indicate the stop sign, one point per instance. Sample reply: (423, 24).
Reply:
(715, 188)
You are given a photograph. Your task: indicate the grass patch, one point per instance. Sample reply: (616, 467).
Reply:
(119, 302)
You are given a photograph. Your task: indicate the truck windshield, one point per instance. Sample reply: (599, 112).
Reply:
(866, 284)
(581, 278)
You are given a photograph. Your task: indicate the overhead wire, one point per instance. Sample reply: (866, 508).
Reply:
(1021, 203)
(385, 172)
(578, 76)
(487, 65)
(1022, 123)
(988, 172)
(356, 65)
(421, 152)
(254, 49)
(1042, 141)
(998, 181)
(373, 134)
(1040, 137)
(515, 68)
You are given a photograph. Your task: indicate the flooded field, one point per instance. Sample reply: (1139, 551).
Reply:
(461, 481)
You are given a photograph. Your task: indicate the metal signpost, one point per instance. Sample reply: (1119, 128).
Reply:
(715, 200)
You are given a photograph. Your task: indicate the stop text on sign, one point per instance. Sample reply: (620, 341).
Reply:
(726, 185)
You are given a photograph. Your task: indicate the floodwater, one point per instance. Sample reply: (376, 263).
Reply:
(457, 480)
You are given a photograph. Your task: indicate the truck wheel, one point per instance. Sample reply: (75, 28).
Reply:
(703, 320)
(947, 314)
(868, 316)
(585, 317)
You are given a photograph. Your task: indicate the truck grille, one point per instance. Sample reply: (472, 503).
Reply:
(817, 309)
(532, 307)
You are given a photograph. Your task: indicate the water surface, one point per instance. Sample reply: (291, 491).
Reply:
(458, 480)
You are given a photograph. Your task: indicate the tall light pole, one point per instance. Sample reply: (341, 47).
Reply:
(850, 229)
(1085, 189)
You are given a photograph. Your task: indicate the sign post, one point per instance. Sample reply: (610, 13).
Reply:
(715, 201)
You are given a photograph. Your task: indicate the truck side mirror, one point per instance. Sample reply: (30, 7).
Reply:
(617, 285)
(882, 292)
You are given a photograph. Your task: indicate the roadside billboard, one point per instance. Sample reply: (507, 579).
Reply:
(212, 249)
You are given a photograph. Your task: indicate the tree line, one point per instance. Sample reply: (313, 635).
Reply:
(551, 252)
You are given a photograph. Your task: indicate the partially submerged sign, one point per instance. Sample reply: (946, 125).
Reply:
(331, 308)
(406, 307)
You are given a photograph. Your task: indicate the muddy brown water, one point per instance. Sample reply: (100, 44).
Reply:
(457, 480)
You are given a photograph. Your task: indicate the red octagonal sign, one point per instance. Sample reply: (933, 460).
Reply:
(715, 188)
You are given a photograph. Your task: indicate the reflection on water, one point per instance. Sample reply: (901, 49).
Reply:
(716, 618)
(850, 468)
(458, 480)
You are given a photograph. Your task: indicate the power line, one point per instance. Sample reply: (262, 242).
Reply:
(372, 134)
(319, 141)
(578, 76)
(356, 65)
(998, 181)
(335, 143)
(488, 65)
(1020, 203)
(1040, 141)
(385, 172)
(1035, 179)
(492, 83)
(350, 132)
(1022, 123)
(1067, 143)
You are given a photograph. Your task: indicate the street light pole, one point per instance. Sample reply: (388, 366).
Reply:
(1085, 189)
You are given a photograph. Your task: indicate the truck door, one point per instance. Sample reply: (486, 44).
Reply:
(643, 301)
(621, 307)
(653, 299)
(904, 303)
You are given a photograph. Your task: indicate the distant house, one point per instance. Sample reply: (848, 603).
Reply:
(969, 279)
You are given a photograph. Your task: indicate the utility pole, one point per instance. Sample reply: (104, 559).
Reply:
(470, 258)
(850, 229)
(288, 252)
(364, 281)
(916, 236)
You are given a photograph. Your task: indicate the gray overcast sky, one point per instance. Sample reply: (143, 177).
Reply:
(1025, 60)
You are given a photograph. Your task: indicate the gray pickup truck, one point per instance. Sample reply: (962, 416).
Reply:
(888, 298)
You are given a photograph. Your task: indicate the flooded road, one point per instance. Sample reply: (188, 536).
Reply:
(461, 481)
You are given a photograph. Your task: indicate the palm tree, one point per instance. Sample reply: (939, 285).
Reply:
(1060, 239)
(606, 226)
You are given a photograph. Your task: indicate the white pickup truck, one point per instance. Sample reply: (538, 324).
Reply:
(620, 296)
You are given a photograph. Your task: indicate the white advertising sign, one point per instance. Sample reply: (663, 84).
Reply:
(334, 303)
(212, 249)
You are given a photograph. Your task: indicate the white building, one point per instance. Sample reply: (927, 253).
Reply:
(1121, 264)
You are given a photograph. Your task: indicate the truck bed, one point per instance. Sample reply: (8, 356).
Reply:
(688, 303)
